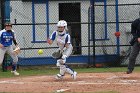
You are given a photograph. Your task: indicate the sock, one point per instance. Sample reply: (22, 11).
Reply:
(14, 66)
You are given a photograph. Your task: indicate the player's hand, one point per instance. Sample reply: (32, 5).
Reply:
(17, 47)
(16, 50)
(64, 57)
(67, 45)
(138, 40)
(1, 46)
(49, 41)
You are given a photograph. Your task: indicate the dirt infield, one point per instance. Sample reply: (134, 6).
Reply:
(86, 82)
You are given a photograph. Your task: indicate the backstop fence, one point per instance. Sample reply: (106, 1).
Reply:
(92, 25)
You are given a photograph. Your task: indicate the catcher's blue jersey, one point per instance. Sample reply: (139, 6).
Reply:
(6, 38)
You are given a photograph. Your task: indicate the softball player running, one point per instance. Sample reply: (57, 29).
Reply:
(7, 36)
(65, 48)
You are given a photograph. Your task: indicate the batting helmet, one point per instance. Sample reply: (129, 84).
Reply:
(7, 24)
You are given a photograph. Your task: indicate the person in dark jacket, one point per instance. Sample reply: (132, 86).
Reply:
(135, 42)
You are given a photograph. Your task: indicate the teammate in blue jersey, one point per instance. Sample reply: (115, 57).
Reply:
(7, 36)
(65, 47)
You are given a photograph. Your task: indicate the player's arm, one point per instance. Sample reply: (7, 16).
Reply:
(14, 39)
(1, 45)
(52, 38)
(15, 42)
(68, 41)
(49, 41)
(17, 49)
(134, 28)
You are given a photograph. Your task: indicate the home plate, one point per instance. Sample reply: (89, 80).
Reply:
(62, 90)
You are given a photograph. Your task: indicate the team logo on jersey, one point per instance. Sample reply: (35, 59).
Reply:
(8, 37)
(4, 34)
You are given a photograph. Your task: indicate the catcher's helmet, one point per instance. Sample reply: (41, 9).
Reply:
(62, 23)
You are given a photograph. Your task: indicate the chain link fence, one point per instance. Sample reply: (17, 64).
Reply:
(109, 17)
(34, 22)
(92, 25)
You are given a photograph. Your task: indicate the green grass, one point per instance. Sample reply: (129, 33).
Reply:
(53, 71)
(28, 72)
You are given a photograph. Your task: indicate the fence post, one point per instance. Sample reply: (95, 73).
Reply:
(93, 30)
(89, 37)
(117, 27)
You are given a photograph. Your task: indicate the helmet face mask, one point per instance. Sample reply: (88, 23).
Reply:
(60, 28)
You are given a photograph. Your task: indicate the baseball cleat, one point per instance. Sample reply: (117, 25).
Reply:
(59, 77)
(74, 75)
(128, 72)
(15, 73)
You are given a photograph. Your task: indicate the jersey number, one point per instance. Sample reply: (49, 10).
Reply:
(7, 40)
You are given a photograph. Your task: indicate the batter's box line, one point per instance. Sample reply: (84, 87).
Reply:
(109, 83)
(10, 82)
(117, 77)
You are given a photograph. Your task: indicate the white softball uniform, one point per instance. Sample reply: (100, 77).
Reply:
(61, 41)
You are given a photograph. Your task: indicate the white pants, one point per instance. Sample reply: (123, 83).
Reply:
(64, 68)
(8, 50)
(68, 51)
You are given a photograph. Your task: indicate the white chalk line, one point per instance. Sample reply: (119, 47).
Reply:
(10, 82)
(106, 83)
(129, 81)
(117, 77)
(62, 90)
(123, 82)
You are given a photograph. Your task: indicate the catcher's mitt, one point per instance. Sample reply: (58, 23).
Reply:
(57, 55)
(17, 51)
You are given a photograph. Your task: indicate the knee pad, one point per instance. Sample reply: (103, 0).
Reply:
(58, 64)
(61, 61)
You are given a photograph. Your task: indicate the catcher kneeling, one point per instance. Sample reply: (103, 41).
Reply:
(65, 49)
